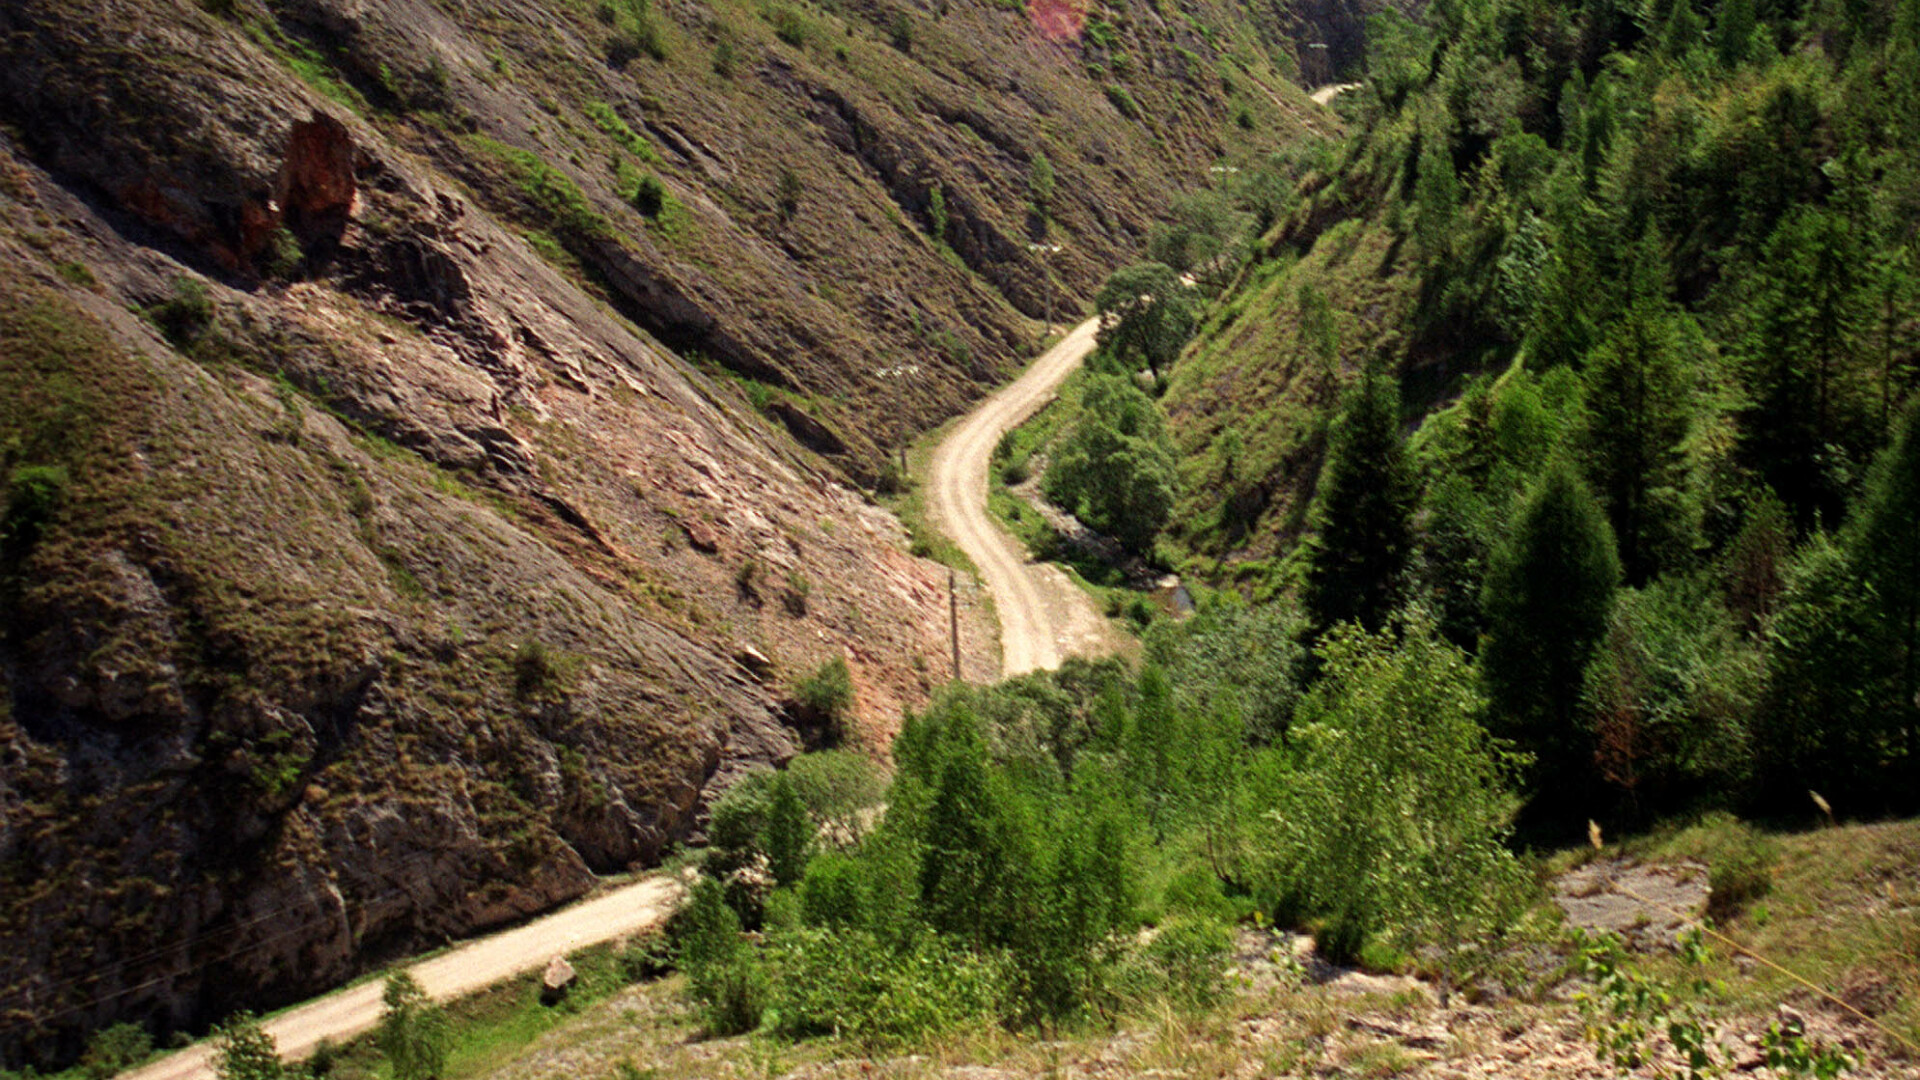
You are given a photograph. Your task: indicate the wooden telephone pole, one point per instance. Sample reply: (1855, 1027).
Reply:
(953, 621)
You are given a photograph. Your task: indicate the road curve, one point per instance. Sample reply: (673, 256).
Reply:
(472, 966)
(1043, 617)
(1326, 94)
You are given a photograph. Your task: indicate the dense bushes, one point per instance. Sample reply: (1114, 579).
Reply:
(1115, 469)
(1033, 828)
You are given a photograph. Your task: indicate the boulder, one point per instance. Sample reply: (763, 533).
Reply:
(555, 981)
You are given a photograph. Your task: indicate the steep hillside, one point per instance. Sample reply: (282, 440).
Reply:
(283, 695)
(830, 196)
(409, 428)
(1520, 183)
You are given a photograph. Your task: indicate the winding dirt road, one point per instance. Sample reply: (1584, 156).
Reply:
(1043, 616)
(473, 966)
(1326, 94)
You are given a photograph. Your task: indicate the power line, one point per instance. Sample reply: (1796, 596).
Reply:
(59, 989)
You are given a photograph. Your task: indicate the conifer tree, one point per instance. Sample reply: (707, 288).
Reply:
(976, 863)
(1640, 407)
(1733, 32)
(1437, 196)
(1800, 351)
(1358, 561)
(789, 833)
(1885, 539)
(1549, 593)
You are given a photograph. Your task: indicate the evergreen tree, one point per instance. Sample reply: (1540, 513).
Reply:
(1800, 361)
(974, 873)
(413, 1032)
(788, 840)
(1436, 196)
(1358, 560)
(1549, 594)
(1884, 536)
(1756, 562)
(1813, 729)
(1640, 407)
(1733, 32)
(1892, 289)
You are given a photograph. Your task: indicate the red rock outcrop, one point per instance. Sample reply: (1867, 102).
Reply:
(316, 185)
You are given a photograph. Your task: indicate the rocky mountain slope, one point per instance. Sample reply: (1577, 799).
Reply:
(411, 418)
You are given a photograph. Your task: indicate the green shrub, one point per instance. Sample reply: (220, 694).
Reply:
(723, 59)
(637, 31)
(34, 493)
(1190, 954)
(788, 195)
(836, 783)
(648, 195)
(648, 956)
(723, 975)
(114, 1050)
(1123, 101)
(324, 1059)
(186, 315)
(413, 1033)
(848, 983)
(1740, 862)
(799, 588)
(242, 1050)
(834, 893)
(739, 817)
(535, 668)
(790, 26)
(826, 697)
(283, 255)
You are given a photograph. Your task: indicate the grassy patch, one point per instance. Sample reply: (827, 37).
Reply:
(496, 1027)
(629, 140)
(1838, 907)
(550, 197)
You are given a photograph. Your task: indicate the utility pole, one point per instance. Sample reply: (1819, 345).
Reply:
(1046, 279)
(953, 622)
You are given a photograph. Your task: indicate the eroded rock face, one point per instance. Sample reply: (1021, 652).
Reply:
(376, 621)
